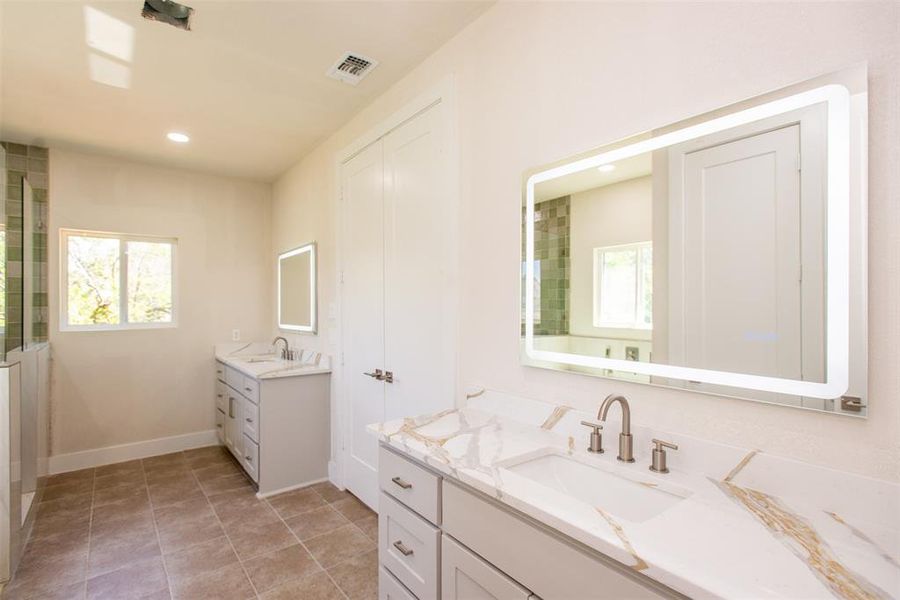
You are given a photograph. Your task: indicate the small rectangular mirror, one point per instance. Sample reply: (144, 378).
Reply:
(724, 254)
(297, 289)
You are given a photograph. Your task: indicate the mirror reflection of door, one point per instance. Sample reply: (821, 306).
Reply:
(295, 303)
(747, 251)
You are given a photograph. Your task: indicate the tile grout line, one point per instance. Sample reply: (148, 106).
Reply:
(224, 532)
(162, 557)
(87, 558)
(299, 541)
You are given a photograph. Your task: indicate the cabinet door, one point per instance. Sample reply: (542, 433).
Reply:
(220, 426)
(233, 430)
(465, 576)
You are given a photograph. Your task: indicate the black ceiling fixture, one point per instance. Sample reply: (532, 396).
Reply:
(167, 11)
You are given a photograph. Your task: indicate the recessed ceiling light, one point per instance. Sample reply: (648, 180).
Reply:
(606, 168)
(175, 136)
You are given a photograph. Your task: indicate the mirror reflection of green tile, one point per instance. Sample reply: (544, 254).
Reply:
(551, 268)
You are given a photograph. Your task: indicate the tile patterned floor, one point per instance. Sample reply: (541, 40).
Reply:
(188, 525)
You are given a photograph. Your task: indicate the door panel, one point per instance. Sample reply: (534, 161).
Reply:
(363, 314)
(419, 303)
(742, 256)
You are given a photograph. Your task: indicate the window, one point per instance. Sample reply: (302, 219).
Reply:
(113, 281)
(623, 286)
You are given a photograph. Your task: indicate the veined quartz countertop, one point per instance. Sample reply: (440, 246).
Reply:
(259, 360)
(752, 525)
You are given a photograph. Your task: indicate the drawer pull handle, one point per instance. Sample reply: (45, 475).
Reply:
(246, 389)
(219, 425)
(403, 549)
(249, 420)
(401, 483)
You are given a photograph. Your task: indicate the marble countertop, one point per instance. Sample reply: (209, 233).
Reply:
(750, 525)
(260, 361)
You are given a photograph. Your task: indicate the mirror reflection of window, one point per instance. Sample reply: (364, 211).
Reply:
(623, 286)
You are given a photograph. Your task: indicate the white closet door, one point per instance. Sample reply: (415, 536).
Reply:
(419, 267)
(363, 315)
(742, 256)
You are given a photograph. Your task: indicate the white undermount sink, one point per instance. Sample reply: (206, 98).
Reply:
(633, 500)
(262, 359)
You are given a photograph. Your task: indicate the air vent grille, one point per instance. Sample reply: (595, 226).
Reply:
(351, 68)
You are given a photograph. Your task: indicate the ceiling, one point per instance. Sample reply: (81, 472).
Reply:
(247, 83)
(623, 170)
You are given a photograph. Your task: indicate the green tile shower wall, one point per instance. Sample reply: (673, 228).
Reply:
(31, 163)
(551, 248)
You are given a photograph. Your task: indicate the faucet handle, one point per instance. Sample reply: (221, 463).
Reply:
(658, 455)
(596, 444)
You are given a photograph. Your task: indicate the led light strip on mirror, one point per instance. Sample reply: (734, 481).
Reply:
(837, 100)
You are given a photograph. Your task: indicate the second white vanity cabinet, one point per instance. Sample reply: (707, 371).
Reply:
(441, 539)
(277, 428)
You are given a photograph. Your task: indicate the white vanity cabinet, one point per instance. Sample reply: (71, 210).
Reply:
(277, 428)
(440, 539)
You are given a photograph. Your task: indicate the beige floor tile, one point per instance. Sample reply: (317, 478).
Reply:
(316, 522)
(118, 479)
(164, 495)
(135, 581)
(250, 514)
(276, 568)
(229, 483)
(215, 471)
(69, 591)
(329, 492)
(252, 540)
(227, 583)
(242, 495)
(71, 477)
(33, 580)
(353, 509)
(358, 577)
(120, 544)
(130, 510)
(131, 466)
(61, 524)
(68, 506)
(169, 476)
(164, 461)
(369, 526)
(208, 457)
(181, 512)
(124, 491)
(67, 490)
(315, 587)
(199, 560)
(296, 502)
(50, 547)
(185, 534)
(338, 546)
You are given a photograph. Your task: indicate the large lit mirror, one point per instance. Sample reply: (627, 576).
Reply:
(297, 289)
(725, 254)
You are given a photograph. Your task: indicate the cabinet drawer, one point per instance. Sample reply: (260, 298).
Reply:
(221, 396)
(552, 568)
(250, 389)
(251, 458)
(409, 483)
(234, 378)
(408, 548)
(250, 422)
(391, 589)
(220, 426)
(466, 576)
(220, 371)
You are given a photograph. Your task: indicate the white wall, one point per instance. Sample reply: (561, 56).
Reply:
(611, 215)
(538, 82)
(117, 387)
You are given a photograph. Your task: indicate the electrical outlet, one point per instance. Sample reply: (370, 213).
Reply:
(235, 335)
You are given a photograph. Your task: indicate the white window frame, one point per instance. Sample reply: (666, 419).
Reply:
(599, 253)
(123, 239)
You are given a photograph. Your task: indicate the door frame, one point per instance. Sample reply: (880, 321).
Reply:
(444, 93)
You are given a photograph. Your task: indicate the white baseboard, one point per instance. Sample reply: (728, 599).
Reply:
(63, 463)
(291, 488)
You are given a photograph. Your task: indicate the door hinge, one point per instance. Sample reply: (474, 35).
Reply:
(342, 358)
(799, 163)
(800, 273)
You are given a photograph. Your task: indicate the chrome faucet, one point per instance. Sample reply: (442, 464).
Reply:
(626, 443)
(285, 352)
